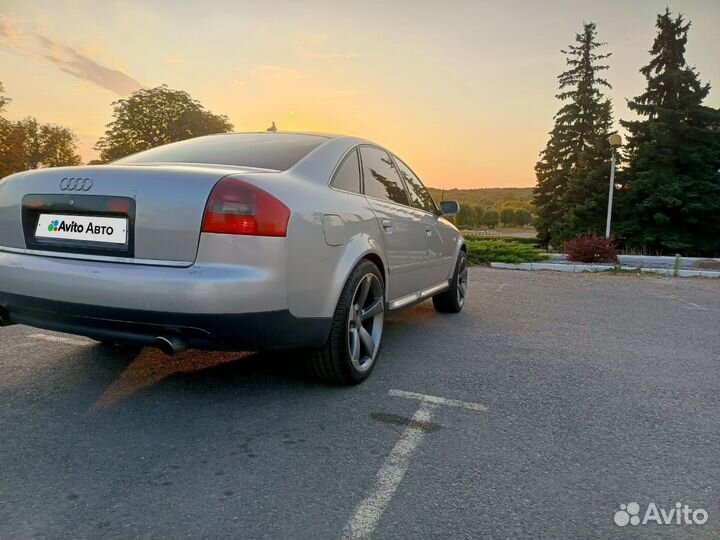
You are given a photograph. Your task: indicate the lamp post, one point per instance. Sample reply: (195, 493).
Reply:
(615, 141)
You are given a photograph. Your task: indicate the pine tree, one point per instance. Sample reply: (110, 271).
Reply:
(669, 200)
(573, 170)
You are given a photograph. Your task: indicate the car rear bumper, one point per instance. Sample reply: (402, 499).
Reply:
(232, 274)
(233, 297)
(223, 331)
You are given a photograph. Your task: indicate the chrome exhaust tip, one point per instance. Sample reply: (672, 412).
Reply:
(170, 344)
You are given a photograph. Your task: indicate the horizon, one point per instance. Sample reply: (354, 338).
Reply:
(409, 76)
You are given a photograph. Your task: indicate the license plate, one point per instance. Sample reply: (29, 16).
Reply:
(104, 230)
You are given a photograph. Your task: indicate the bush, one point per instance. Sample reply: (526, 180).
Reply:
(520, 240)
(591, 249)
(507, 251)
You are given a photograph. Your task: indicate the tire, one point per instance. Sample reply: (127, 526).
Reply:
(453, 299)
(353, 347)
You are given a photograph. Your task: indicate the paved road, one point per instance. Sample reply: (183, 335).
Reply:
(600, 390)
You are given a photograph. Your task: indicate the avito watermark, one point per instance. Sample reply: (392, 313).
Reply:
(680, 514)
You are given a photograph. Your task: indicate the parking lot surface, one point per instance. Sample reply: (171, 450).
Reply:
(551, 400)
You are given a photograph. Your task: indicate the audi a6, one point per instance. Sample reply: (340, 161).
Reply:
(243, 241)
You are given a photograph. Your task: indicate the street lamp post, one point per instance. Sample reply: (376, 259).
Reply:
(615, 141)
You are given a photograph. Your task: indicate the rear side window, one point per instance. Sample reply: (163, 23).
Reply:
(381, 178)
(347, 176)
(419, 196)
(277, 151)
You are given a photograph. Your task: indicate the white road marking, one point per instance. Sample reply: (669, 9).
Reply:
(685, 303)
(500, 287)
(58, 339)
(370, 510)
(439, 400)
(368, 513)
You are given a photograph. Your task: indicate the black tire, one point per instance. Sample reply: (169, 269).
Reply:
(344, 359)
(453, 299)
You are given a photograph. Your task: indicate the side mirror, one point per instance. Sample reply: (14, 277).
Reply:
(449, 208)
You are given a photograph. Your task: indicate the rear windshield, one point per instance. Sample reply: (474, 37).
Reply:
(278, 151)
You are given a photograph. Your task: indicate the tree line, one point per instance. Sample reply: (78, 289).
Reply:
(668, 184)
(472, 216)
(29, 144)
(146, 119)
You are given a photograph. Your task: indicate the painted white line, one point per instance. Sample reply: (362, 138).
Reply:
(58, 339)
(368, 513)
(439, 400)
(500, 287)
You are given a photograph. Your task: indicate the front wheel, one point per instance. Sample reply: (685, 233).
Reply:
(353, 347)
(453, 299)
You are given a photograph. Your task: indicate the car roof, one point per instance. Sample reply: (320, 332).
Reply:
(328, 136)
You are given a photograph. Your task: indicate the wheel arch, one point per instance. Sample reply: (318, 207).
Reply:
(377, 261)
(350, 263)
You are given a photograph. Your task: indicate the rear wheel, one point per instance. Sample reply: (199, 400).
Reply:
(453, 299)
(353, 347)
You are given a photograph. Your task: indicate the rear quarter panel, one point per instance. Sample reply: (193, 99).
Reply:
(316, 271)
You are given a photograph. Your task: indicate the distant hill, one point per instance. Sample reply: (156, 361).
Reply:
(488, 197)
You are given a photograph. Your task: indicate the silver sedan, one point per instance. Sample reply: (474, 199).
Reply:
(245, 241)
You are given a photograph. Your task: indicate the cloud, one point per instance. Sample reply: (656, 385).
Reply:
(312, 45)
(38, 47)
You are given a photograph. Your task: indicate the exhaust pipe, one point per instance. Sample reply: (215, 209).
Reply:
(170, 344)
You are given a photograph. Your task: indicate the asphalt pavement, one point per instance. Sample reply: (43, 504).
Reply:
(549, 402)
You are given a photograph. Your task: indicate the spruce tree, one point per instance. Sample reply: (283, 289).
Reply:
(669, 200)
(573, 170)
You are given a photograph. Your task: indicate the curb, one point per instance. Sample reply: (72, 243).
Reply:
(577, 268)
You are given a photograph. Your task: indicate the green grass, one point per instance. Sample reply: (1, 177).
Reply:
(527, 241)
(507, 251)
(617, 271)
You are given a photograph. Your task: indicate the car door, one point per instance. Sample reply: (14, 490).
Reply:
(402, 226)
(441, 235)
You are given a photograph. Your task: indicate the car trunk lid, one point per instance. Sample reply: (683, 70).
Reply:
(154, 213)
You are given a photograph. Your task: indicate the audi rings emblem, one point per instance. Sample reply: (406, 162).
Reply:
(76, 184)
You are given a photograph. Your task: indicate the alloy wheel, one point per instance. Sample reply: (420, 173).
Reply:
(365, 322)
(462, 281)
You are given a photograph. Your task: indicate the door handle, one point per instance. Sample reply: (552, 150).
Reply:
(387, 225)
(428, 231)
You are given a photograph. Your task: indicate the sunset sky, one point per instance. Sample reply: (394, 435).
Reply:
(463, 91)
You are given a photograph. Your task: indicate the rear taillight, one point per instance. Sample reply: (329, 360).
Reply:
(236, 207)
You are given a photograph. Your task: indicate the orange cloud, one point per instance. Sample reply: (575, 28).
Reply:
(38, 47)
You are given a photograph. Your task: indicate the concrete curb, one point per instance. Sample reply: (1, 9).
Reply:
(575, 268)
(649, 261)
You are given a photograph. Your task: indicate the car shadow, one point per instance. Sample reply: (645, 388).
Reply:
(196, 373)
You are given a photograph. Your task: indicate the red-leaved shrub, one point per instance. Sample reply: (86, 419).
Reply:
(591, 249)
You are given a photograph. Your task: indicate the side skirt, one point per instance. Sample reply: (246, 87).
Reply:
(417, 297)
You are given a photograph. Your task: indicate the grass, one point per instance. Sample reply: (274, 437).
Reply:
(512, 251)
(618, 271)
(527, 241)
